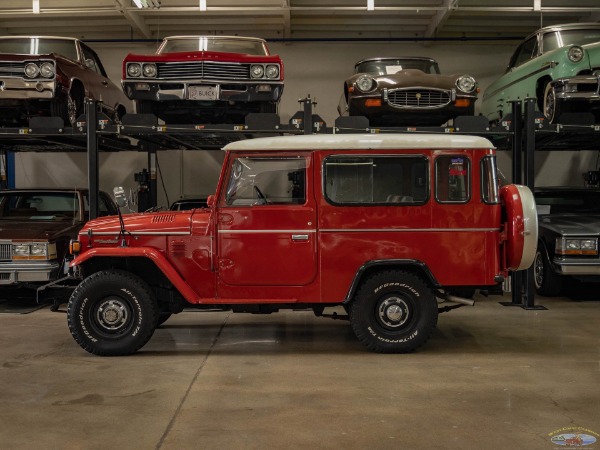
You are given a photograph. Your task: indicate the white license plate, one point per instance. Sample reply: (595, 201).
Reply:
(202, 93)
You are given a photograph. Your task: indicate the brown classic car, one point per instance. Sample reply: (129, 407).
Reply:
(36, 226)
(41, 76)
(207, 79)
(406, 91)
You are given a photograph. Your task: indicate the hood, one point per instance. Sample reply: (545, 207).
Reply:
(202, 56)
(571, 224)
(413, 78)
(166, 222)
(37, 229)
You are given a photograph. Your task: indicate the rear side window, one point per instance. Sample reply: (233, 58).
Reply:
(452, 175)
(376, 180)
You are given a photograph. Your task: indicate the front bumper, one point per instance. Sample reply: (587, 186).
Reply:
(21, 89)
(174, 90)
(28, 272)
(581, 87)
(576, 267)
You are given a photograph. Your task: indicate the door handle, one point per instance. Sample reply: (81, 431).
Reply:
(105, 83)
(299, 237)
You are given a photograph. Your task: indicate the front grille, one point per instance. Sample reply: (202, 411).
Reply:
(5, 252)
(12, 69)
(418, 98)
(5, 276)
(203, 70)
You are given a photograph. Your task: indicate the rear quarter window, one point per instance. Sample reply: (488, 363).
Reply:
(376, 180)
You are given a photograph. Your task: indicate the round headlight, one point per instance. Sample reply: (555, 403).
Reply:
(134, 70)
(257, 71)
(575, 54)
(31, 70)
(149, 70)
(47, 70)
(272, 71)
(365, 83)
(466, 83)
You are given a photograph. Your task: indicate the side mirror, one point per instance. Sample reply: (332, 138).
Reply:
(210, 201)
(89, 63)
(120, 197)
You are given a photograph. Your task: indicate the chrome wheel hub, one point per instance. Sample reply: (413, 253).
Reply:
(112, 314)
(393, 312)
(538, 270)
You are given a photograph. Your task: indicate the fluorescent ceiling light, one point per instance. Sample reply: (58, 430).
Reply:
(537, 5)
(36, 6)
(370, 5)
(202, 5)
(143, 4)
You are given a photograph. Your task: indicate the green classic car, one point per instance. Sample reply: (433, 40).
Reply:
(559, 66)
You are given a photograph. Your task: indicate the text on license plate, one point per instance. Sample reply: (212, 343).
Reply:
(202, 93)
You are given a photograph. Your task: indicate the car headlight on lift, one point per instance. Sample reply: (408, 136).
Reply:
(578, 246)
(47, 70)
(257, 71)
(31, 70)
(149, 70)
(466, 83)
(272, 71)
(575, 54)
(365, 83)
(134, 70)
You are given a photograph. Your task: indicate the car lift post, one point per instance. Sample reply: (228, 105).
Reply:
(91, 109)
(529, 171)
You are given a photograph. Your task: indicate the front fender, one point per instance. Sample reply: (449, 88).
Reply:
(141, 252)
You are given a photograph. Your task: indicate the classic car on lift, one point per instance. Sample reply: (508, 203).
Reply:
(406, 91)
(569, 228)
(557, 65)
(43, 76)
(207, 79)
(36, 226)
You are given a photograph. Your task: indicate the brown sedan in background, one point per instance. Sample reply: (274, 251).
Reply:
(36, 226)
(406, 91)
(52, 76)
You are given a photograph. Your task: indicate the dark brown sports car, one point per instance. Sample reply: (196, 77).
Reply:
(42, 76)
(36, 226)
(406, 91)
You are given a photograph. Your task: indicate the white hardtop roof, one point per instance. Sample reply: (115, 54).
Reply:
(208, 36)
(362, 142)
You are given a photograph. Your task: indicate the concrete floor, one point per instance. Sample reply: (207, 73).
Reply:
(490, 377)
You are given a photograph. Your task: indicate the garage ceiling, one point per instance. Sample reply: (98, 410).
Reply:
(292, 19)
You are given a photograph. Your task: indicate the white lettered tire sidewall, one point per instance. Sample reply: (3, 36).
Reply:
(112, 313)
(393, 312)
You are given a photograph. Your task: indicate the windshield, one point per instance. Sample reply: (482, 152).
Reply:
(214, 44)
(391, 66)
(39, 206)
(576, 202)
(558, 39)
(39, 46)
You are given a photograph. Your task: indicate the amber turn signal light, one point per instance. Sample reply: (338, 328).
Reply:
(74, 247)
(373, 102)
(462, 102)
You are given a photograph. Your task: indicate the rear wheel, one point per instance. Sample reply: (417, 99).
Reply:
(393, 312)
(111, 313)
(546, 282)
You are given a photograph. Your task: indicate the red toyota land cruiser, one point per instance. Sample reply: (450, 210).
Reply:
(387, 226)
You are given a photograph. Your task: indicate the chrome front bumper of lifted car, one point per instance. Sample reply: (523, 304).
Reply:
(21, 89)
(581, 87)
(28, 272)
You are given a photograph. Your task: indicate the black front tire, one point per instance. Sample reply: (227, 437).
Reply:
(393, 312)
(546, 282)
(112, 313)
(553, 107)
